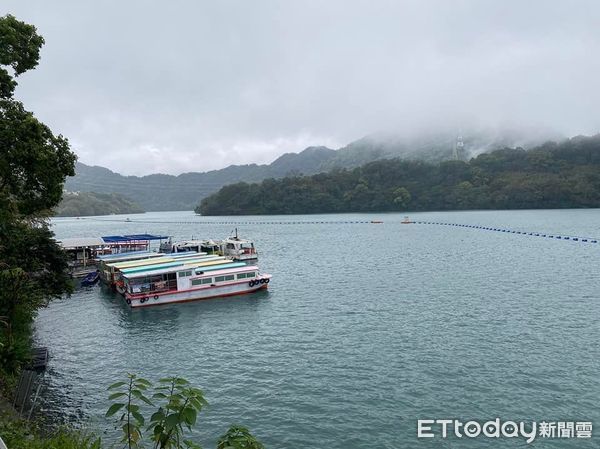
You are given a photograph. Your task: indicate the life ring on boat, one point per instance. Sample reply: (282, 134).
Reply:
(128, 301)
(252, 283)
(267, 280)
(143, 300)
(155, 297)
(262, 281)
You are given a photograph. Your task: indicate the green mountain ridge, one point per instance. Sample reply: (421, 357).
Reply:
(158, 192)
(81, 204)
(553, 175)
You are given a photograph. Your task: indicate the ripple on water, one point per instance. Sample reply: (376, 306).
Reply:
(365, 329)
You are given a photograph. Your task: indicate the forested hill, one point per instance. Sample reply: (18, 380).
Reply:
(549, 176)
(80, 204)
(167, 192)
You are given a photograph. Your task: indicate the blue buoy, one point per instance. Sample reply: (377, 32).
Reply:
(575, 239)
(584, 240)
(558, 236)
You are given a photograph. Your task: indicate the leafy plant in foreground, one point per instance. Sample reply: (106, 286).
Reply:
(182, 403)
(238, 437)
(175, 405)
(132, 420)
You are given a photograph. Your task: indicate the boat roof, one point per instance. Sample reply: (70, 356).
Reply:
(131, 254)
(237, 240)
(184, 243)
(153, 261)
(132, 237)
(81, 242)
(219, 270)
(176, 263)
(186, 254)
(216, 265)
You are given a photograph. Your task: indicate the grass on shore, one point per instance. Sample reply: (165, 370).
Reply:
(20, 434)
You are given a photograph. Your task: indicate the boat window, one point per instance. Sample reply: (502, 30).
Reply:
(229, 277)
(219, 278)
(241, 276)
(183, 274)
(201, 281)
(251, 274)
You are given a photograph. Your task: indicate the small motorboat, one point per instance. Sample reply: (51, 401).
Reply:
(90, 279)
(406, 220)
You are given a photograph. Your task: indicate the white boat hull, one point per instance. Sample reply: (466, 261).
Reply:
(208, 292)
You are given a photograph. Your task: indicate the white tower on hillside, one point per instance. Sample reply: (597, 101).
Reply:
(458, 147)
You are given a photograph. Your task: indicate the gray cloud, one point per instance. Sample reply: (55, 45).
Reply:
(144, 87)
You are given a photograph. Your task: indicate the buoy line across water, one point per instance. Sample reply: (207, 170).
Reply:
(513, 231)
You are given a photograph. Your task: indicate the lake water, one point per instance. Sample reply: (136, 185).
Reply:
(365, 329)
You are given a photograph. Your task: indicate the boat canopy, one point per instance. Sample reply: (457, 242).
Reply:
(176, 263)
(81, 242)
(132, 237)
(131, 254)
(153, 260)
(198, 267)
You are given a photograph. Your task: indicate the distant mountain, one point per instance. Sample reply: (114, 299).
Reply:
(552, 175)
(81, 204)
(183, 192)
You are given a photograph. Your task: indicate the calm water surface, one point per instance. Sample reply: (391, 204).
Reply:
(365, 329)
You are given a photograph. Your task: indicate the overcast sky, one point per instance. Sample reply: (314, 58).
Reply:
(149, 86)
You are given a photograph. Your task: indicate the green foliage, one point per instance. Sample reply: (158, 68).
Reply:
(238, 437)
(163, 417)
(33, 166)
(549, 176)
(19, 49)
(20, 435)
(81, 204)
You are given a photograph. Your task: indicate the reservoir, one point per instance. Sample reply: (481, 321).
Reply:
(365, 329)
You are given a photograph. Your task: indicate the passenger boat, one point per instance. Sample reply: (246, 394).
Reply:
(233, 247)
(110, 270)
(106, 262)
(238, 249)
(191, 283)
(204, 246)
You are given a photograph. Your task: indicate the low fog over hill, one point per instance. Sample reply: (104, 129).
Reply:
(182, 192)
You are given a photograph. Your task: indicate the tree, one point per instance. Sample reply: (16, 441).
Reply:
(33, 166)
(401, 197)
(552, 175)
(19, 49)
